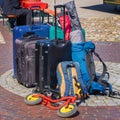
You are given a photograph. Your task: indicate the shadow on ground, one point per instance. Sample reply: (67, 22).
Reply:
(105, 8)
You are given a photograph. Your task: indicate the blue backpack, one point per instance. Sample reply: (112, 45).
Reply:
(82, 53)
(70, 82)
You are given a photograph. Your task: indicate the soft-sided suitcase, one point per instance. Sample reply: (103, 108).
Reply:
(18, 31)
(60, 34)
(25, 60)
(48, 55)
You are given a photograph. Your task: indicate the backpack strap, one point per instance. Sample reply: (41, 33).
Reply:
(100, 80)
(104, 72)
(79, 76)
(70, 77)
(115, 94)
(82, 90)
(67, 83)
(109, 91)
(107, 86)
(104, 67)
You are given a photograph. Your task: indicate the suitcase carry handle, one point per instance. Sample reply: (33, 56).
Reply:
(55, 7)
(28, 34)
(31, 36)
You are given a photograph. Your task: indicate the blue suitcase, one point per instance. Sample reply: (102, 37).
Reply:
(18, 32)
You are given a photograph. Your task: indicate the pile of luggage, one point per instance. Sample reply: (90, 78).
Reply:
(37, 49)
(57, 60)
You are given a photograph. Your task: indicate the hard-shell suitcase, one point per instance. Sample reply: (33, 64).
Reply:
(25, 60)
(18, 32)
(48, 54)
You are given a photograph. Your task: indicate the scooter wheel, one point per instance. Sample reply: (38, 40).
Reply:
(32, 100)
(67, 112)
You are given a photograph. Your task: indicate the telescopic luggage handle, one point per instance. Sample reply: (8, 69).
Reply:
(32, 8)
(55, 7)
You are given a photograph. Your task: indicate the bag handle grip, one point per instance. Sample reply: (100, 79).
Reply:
(55, 7)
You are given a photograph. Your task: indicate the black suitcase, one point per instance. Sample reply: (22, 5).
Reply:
(25, 60)
(48, 55)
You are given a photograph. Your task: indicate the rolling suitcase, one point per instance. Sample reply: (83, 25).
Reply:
(48, 54)
(25, 60)
(18, 32)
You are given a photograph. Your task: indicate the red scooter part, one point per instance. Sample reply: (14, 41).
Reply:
(37, 98)
(65, 106)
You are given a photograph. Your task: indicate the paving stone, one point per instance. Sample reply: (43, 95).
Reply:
(106, 29)
(2, 41)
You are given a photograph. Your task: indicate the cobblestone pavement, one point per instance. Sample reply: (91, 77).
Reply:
(13, 86)
(105, 29)
(102, 29)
